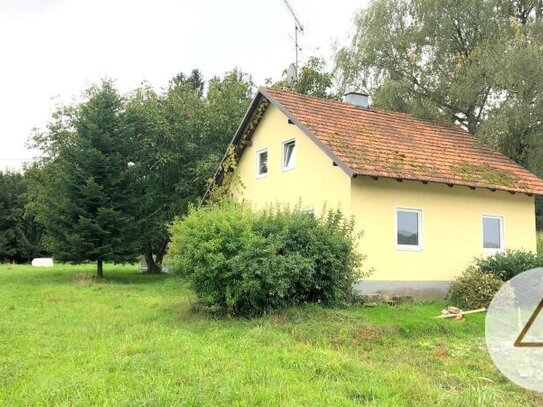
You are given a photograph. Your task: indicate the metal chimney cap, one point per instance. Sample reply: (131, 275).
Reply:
(357, 99)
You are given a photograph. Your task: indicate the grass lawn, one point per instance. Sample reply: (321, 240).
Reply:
(132, 340)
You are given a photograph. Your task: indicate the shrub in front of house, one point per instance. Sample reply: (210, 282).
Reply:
(540, 243)
(506, 265)
(245, 262)
(474, 289)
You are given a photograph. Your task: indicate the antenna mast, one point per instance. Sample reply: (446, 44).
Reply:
(297, 28)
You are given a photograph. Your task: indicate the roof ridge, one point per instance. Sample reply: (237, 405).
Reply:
(373, 109)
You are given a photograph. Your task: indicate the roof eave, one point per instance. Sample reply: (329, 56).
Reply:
(526, 191)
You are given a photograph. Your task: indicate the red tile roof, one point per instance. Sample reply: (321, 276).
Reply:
(381, 143)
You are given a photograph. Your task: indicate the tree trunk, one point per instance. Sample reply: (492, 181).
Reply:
(150, 260)
(100, 269)
(152, 265)
(160, 254)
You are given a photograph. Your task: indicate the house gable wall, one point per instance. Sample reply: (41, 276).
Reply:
(314, 181)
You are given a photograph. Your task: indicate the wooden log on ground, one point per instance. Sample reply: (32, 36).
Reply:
(474, 311)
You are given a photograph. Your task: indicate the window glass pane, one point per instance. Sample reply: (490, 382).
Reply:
(289, 154)
(491, 233)
(408, 228)
(263, 163)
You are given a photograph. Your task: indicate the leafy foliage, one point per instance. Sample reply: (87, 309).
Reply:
(242, 262)
(313, 80)
(443, 59)
(540, 243)
(506, 265)
(474, 288)
(20, 235)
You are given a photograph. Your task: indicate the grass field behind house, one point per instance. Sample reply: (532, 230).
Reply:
(132, 340)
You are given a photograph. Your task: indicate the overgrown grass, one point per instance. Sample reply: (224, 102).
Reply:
(132, 339)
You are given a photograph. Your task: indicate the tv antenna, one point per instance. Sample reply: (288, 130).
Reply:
(298, 28)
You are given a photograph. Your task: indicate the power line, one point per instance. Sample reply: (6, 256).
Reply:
(19, 159)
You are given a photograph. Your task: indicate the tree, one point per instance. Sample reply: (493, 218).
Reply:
(227, 100)
(195, 81)
(20, 236)
(177, 140)
(473, 63)
(313, 80)
(82, 185)
(161, 130)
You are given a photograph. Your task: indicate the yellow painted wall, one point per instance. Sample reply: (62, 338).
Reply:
(451, 224)
(314, 180)
(452, 217)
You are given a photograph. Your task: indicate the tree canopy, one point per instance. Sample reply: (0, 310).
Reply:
(313, 80)
(177, 140)
(20, 235)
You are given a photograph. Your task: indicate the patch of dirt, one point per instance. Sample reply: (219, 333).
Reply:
(84, 279)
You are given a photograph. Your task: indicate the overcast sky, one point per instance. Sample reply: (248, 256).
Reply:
(51, 50)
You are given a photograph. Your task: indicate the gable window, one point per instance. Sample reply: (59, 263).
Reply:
(288, 155)
(492, 233)
(409, 229)
(262, 162)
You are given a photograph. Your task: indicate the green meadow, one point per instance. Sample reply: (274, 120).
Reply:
(134, 340)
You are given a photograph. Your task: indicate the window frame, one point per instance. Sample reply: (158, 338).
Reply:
(488, 250)
(283, 145)
(258, 154)
(408, 247)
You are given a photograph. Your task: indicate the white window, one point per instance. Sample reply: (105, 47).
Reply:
(492, 233)
(409, 229)
(288, 155)
(262, 162)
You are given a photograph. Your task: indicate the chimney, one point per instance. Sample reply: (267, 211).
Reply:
(357, 99)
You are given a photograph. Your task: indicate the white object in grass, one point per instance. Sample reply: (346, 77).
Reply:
(42, 262)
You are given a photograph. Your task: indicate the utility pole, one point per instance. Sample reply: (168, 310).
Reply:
(298, 28)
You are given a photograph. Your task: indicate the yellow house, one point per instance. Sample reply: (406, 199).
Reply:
(428, 197)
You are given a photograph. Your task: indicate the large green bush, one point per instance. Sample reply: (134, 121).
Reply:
(509, 263)
(245, 262)
(474, 289)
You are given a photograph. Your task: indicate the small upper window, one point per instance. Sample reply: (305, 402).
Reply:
(262, 162)
(409, 229)
(492, 233)
(288, 159)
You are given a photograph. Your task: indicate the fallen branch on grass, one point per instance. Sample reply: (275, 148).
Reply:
(458, 313)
